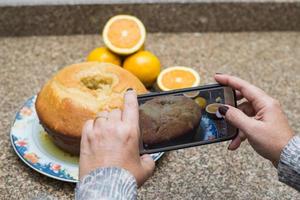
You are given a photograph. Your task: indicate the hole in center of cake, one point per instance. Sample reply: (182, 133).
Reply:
(96, 82)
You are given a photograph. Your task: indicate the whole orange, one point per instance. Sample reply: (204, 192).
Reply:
(103, 54)
(144, 65)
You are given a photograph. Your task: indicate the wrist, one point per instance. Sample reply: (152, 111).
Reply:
(284, 143)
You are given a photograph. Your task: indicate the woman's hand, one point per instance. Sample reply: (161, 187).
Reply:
(260, 119)
(112, 140)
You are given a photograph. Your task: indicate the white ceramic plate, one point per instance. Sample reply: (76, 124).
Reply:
(35, 148)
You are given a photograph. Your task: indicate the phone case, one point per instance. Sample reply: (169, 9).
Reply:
(144, 97)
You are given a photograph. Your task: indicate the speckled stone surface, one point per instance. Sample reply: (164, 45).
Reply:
(200, 16)
(84, 2)
(269, 60)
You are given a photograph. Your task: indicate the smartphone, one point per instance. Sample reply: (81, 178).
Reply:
(184, 118)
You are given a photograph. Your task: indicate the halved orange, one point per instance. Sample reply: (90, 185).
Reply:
(177, 77)
(124, 34)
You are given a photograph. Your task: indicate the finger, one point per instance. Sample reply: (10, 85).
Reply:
(237, 118)
(130, 112)
(115, 115)
(148, 165)
(87, 130)
(101, 118)
(242, 135)
(253, 94)
(238, 95)
(236, 142)
(247, 108)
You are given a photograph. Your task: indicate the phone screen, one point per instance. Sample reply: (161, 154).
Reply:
(184, 118)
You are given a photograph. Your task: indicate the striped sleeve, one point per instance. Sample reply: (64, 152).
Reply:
(289, 164)
(109, 183)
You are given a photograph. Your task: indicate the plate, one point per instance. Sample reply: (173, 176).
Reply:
(35, 148)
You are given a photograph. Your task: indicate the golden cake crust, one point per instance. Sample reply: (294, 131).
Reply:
(77, 92)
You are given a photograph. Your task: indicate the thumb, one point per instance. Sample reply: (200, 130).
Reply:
(237, 118)
(148, 165)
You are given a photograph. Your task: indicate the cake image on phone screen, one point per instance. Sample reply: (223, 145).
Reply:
(168, 117)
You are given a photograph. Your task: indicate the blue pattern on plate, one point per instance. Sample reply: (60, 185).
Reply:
(29, 103)
(46, 168)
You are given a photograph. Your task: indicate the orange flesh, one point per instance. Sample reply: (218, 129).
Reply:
(177, 79)
(213, 108)
(124, 33)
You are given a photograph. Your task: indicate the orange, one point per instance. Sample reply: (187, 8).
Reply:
(177, 77)
(103, 54)
(201, 102)
(124, 34)
(144, 65)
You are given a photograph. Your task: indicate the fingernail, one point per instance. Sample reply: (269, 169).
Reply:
(223, 110)
(129, 89)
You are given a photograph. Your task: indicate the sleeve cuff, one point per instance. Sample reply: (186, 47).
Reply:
(289, 164)
(107, 183)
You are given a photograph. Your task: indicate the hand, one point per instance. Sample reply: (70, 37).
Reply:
(260, 119)
(112, 140)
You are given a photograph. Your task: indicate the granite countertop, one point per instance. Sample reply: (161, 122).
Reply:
(174, 16)
(269, 60)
